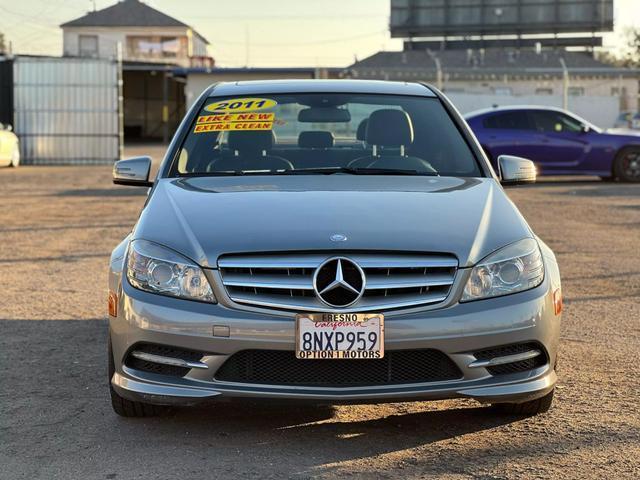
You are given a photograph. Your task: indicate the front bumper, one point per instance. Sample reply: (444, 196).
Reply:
(457, 330)
(537, 384)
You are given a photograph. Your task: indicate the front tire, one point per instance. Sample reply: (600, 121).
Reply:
(128, 408)
(626, 166)
(530, 408)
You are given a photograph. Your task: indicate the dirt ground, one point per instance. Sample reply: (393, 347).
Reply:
(57, 227)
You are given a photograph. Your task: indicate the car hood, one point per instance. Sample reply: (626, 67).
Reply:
(633, 135)
(205, 217)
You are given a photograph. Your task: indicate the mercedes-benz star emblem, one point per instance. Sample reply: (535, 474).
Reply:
(339, 282)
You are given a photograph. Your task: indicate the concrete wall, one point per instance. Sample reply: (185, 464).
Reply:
(601, 111)
(623, 90)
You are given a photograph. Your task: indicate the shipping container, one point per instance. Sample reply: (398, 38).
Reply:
(66, 110)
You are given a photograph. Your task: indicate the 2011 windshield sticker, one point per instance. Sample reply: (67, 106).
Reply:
(241, 105)
(234, 121)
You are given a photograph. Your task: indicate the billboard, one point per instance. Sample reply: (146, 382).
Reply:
(433, 18)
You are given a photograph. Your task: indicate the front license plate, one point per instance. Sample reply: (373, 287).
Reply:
(339, 335)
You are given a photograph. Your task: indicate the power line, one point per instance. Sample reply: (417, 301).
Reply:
(309, 18)
(30, 19)
(304, 44)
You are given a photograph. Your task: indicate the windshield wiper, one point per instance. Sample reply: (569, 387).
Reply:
(221, 173)
(312, 171)
(354, 171)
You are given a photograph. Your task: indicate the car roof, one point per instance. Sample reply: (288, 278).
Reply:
(507, 108)
(256, 87)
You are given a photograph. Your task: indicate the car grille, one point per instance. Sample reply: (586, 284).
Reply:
(514, 367)
(278, 367)
(286, 281)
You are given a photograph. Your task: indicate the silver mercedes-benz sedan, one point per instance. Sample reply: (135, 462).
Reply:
(330, 241)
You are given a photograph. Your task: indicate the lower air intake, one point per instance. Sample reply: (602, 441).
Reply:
(276, 367)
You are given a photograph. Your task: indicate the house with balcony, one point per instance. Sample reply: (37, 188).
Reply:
(153, 45)
(145, 34)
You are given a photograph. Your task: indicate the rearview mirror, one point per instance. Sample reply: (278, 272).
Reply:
(132, 171)
(516, 170)
(324, 115)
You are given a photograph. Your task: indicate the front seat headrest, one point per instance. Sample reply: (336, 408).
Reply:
(315, 139)
(361, 133)
(389, 128)
(251, 140)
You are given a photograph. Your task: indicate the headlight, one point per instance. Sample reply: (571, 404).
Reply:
(514, 268)
(157, 269)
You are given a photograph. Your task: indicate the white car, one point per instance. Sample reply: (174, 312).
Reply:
(9, 147)
(628, 121)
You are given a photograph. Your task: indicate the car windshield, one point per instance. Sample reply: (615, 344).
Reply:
(289, 134)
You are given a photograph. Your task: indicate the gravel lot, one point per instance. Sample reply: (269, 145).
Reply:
(57, 227)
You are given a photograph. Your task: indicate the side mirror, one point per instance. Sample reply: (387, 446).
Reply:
(132, 171)
(585, 129)
(516, 170)
(9, 128)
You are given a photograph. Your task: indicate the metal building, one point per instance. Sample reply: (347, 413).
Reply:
(64, 110)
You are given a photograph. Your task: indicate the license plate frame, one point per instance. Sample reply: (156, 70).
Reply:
(343, 323)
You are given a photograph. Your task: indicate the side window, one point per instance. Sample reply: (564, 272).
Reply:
(508, 121)
(88, 46)
(554, 122)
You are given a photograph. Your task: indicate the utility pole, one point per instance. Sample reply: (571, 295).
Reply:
(165, 106)
(439, 76)
(246, 45)
(120, 106)
(565, 84)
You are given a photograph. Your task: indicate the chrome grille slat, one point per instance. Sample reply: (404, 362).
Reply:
(285, 281)
(297, 282)
(311, 304)
(408, 261)
(272, 261)
(288, 261)
(381, 282)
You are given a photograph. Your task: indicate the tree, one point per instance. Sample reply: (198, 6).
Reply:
(2, 46)
(631, 57)
(629, 54)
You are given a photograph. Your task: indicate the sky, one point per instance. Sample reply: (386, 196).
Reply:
(253, 32)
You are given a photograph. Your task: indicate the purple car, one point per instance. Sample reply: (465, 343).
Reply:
(559, 142)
